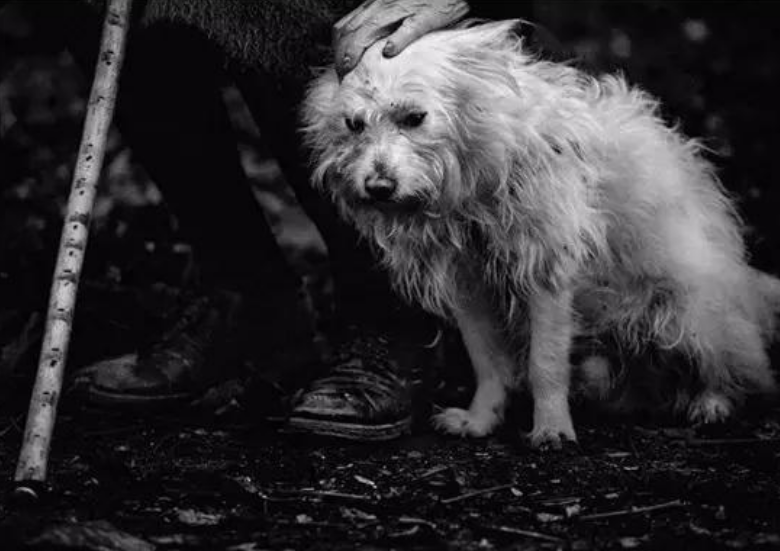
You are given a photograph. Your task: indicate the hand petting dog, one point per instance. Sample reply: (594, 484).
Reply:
(403, 21)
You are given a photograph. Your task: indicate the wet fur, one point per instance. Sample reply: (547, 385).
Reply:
(550, 215)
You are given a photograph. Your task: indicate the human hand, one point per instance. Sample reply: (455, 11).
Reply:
(403, 21)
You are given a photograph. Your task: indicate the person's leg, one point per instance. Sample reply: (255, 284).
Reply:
(361, 286)
(171, 112)
(364, 391)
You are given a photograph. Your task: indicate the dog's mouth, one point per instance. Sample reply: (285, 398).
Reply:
(394, 206)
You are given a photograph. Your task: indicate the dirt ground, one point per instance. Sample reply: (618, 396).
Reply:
(176, 482)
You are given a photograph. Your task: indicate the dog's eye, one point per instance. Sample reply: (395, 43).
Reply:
(355, 124)
(413, 119)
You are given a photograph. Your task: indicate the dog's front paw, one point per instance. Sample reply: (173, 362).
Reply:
(551, 437)
(463, 422)
(708, 408)
(546, 436)
(552, 423)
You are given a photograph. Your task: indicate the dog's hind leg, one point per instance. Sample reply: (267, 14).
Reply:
(738, 365)
(549, 369)
(493, 365)
(710, 406)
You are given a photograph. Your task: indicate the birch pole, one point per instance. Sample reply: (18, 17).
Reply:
(34, 455)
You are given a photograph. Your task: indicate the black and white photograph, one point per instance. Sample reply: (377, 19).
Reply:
(392, 274)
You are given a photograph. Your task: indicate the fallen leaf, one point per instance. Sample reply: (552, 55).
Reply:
(572, 510)
(192, 517)
(548, 517)
(303, 519)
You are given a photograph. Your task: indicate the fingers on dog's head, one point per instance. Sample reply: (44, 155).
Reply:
(359, 30)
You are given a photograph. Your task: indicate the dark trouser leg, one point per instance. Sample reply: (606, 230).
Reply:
(170, 110)
(366, 391)
(172, 114)
(363, 293)
(196, 156)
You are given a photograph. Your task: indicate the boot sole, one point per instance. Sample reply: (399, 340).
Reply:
(350, 431)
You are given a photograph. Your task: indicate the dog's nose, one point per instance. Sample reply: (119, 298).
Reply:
(380, 188)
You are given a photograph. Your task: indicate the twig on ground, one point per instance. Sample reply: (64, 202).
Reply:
(34, 456)
(416, 521)
(730, 441)
(433, 471)
(274, 499)
(559, 500)
(312, 524)
(634, 510)
(328, 494)
(477, 493)
(524, 533)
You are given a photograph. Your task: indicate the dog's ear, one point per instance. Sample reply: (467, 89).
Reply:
(474, 35)
(316, 116)
(484, 57)
(317, 109)
(478, 82)
(480, 71)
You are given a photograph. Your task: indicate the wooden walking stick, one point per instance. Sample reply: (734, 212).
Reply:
(34, 455)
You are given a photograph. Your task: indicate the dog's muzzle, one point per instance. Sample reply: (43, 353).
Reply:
(380, 188)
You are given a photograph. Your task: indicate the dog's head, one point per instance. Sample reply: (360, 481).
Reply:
(420, 132)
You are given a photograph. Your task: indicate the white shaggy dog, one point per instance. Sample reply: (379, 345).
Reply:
(541, 209)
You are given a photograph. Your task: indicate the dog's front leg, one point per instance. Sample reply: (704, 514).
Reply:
(549, 369)
(493, 366)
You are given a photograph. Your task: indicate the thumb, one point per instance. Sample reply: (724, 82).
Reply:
(352, 48)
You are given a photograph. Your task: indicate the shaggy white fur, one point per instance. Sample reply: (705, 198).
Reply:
(550, 214)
